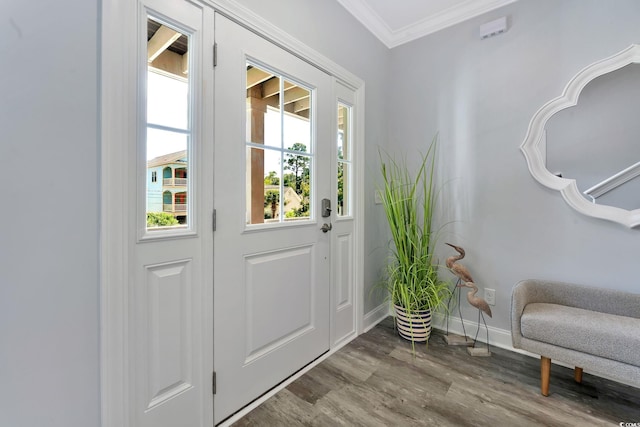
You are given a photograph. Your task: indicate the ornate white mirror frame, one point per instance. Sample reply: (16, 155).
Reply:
(534, 144)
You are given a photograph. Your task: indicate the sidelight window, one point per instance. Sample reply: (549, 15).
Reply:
(168, 126)
(344, 160)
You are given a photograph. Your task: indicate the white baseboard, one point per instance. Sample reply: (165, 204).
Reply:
(344, 340)
(497, 337)
(375, 316)
(500, 338)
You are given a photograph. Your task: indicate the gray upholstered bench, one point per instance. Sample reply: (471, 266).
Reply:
(589, 328)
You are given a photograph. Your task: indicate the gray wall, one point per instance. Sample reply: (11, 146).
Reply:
(49, 311)
(480, 95)
(329, 29)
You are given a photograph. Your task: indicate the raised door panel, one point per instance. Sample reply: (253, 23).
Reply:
(344, 289)
(169, 307)
(279, 298)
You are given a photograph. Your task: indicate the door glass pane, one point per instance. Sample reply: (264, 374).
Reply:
(167, 100)
(168, 129)
(263, 107)
(279, 148)
(297, 127)
(263, 189)
(344, 160)
(297, 186)
(273, 209)
(164, 143)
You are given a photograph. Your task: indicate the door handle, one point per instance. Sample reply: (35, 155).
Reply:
(326, 227)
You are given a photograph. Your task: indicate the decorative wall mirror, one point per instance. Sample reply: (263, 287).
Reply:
(589, 151)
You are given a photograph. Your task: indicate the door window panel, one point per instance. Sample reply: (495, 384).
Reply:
(297, 185)
(344, 160)
(168, 133)
(167, 100)
(263, 90)
(268, 187)
(279, 148)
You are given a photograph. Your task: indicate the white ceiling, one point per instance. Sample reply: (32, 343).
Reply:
(401, 21)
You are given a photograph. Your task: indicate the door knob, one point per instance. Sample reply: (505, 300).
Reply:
(326, 227)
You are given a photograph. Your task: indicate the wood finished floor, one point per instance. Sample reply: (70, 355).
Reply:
(375, 381)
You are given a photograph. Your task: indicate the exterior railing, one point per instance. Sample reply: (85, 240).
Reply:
(174, 182)
(179, 207)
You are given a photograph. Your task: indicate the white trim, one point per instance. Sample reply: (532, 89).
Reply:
(343, 341)
(118, 129)
(534, 141)
(118, 100)
(257, 24)
(428, 25)
(361, 10)
(375, 316)
(497, 337)
(358, 203)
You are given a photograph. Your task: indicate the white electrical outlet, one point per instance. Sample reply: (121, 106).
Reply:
(377, 198)
(490, 296)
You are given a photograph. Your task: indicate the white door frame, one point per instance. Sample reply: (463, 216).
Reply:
(117, 129)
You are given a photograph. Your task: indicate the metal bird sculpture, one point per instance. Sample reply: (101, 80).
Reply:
(482, 306)
(474, 300)
(458, 269)
(466, 281)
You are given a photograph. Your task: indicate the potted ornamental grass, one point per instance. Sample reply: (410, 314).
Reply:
(409, 200)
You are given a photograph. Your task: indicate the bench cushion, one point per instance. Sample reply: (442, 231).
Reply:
(599, 334)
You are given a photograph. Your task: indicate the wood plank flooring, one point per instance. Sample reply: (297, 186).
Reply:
(376, 381)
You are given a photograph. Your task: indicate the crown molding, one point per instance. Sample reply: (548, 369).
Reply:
(428, 25)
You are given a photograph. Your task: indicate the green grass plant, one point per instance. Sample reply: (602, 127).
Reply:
(409, 200)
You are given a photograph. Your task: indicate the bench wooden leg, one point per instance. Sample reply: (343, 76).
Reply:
(577, 375)
(545, 373)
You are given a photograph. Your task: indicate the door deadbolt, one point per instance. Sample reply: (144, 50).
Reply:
(325, 208)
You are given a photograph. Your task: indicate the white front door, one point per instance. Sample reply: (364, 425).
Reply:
(273, 162)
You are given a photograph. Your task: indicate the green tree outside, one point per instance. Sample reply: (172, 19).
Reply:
(160, 219)
(298, 178)
(271, 199)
